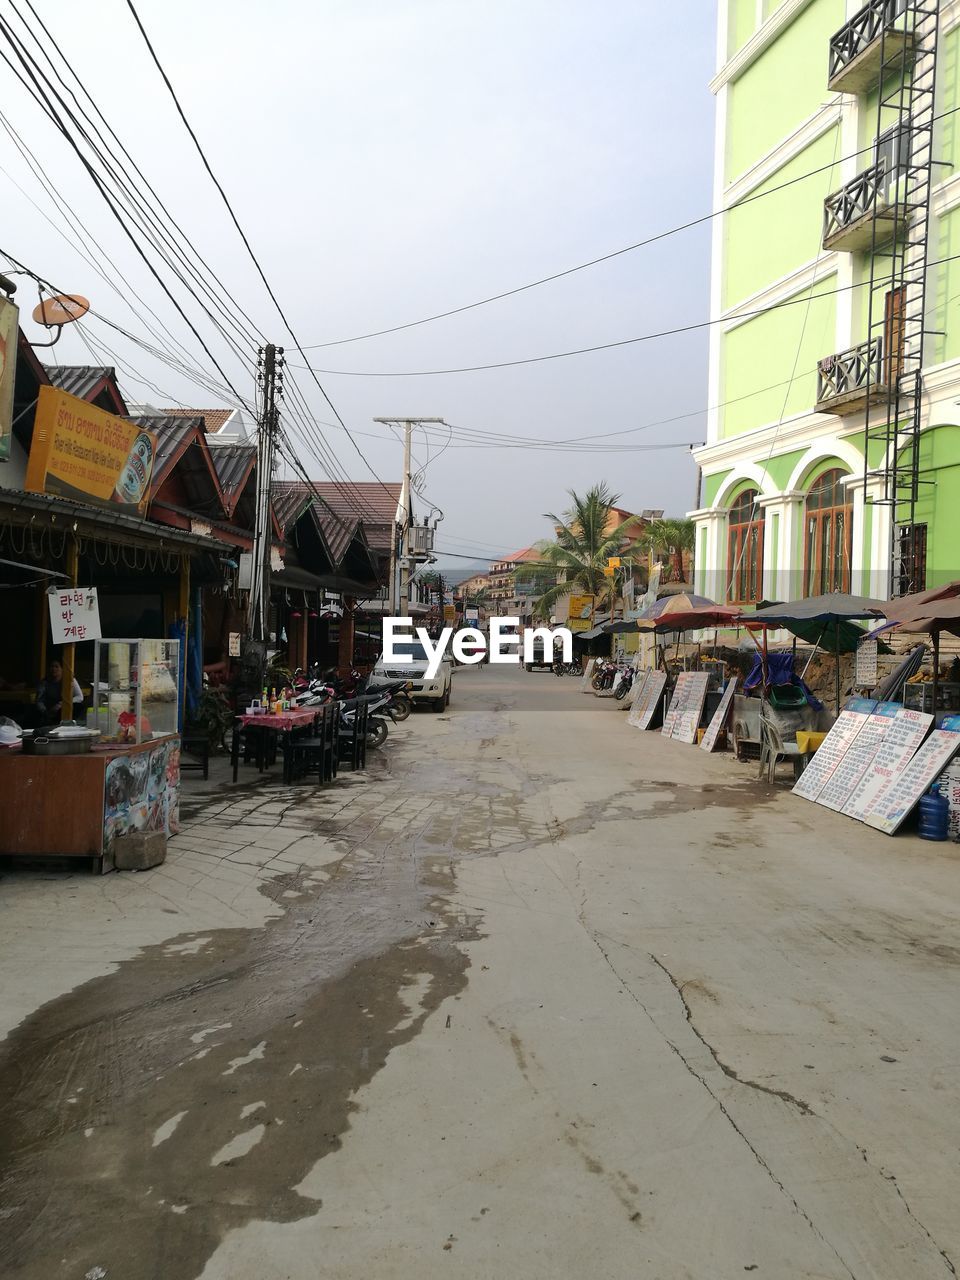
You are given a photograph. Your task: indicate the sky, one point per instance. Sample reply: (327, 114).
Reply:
(389, 160)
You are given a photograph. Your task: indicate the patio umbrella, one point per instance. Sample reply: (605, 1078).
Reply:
(683, 604)
(828, 612)
(930, 612)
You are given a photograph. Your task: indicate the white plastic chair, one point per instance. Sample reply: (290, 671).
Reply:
(773, 749)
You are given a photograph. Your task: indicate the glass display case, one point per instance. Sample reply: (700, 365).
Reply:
(136, 690)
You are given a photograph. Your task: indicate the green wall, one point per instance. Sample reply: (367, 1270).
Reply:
(780, 468)
(939, 503)
(711, 486)
(781, 89)
(741, 23)
(763, 352)
(943, 290)
(755, 255)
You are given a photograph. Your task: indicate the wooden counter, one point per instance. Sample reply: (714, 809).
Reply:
(74, 806)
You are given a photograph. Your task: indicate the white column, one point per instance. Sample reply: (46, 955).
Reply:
(783, 567)
(710, 568)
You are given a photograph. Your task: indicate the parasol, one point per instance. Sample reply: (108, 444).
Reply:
(829, 612)
(930, 612)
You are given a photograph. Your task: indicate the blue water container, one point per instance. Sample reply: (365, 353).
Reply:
(934, 815)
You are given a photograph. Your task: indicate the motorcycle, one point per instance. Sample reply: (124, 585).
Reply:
(624, 684)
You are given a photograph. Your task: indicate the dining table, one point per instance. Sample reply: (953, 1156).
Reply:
(264, 724)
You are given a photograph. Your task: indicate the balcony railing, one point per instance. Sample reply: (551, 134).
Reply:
(855, 49)
(850, 213)
(848, 380)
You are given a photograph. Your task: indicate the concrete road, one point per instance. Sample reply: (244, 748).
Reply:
(541, 996)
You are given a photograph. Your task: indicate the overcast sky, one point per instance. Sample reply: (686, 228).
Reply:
(390, 159)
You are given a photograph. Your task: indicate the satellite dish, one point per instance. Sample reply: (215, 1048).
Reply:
(62, 308)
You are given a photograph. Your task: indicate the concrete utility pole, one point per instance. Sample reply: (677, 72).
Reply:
(402, 606)
(270, 376)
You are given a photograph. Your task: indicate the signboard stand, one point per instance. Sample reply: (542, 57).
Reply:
(645, 707)
(720, 716)
(686, 706)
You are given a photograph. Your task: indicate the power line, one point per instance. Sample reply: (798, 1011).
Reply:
(606, 257)
(604, 346)
(253, 257)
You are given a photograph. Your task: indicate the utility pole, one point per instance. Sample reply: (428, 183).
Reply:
(406, 502)
(270, 377)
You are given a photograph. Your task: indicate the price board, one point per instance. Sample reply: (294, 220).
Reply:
(866, 670)
(648, 700)
(833, 748)
(859, 757)
(720, 716)
(897, 748)
(686, 706)
(74, 615)
(909, 785)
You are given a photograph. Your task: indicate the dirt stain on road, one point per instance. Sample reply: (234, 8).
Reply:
(135, 1132)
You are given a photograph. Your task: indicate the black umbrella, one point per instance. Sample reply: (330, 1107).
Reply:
(831, 611)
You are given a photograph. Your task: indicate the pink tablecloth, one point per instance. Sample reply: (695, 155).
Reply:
(284, 721)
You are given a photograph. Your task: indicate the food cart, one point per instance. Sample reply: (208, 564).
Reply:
(70, 794)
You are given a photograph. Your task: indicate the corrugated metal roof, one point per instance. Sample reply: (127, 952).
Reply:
(371, 503)
(172, 435)
(79, 379)
(233, 462)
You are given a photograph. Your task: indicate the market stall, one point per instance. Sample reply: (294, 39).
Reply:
(70, 790)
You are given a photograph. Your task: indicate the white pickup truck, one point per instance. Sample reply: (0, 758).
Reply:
(412, 665)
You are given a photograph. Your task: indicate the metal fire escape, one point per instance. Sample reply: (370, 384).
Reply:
(904, 73)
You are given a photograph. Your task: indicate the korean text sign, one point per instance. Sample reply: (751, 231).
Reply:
(74, 615)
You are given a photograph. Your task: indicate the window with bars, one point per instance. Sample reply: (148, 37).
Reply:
(828, 536)
(745, 549)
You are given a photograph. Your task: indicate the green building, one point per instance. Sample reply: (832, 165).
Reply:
(832, 459)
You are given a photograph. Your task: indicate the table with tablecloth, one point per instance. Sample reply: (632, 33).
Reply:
(278, 722)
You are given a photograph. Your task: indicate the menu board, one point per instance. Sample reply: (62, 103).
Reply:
(686, 706)
(897, 748)
(950, 787)
(859, 757)
(646, 704)
(866, 670)
(833, 748)
(709, 740)
(908, 786)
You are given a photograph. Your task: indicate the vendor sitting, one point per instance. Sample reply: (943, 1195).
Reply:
(50, 695)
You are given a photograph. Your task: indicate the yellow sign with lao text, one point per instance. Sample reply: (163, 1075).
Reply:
(613, 562)
(580, 612)
(82, 452)
(9, 330)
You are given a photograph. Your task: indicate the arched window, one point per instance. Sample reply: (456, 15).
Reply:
(828, 540)
(745, 549)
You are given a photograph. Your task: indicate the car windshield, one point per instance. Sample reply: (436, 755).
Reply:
(410, 649)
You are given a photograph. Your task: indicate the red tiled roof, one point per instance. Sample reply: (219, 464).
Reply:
(213, 419)
(372, 503)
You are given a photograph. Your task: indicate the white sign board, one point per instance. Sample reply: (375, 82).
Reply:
(645, 707)
(833, 748)
(74, 615)
(859, 757)
(907, 788)
(897, 748)
(866, 665)
(233, 644)
(587, 678)
(720, 716)
(686, 706)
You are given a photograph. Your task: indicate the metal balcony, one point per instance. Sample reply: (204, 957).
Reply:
(861, 214)
(849, 381)
(857, 48)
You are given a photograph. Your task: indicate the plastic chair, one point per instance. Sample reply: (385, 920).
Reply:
(774, 749)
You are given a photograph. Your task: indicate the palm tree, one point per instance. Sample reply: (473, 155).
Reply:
(579, 554)
(672, 538)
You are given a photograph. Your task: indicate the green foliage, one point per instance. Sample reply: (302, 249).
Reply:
(669, 537)
(213, 716)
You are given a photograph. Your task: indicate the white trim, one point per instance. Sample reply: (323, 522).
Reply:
(804, 277)
(949, 16)
(820, 451)
(761, 39)
(750, 471)
(945, 196)
(717, 263)
(787, 149)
